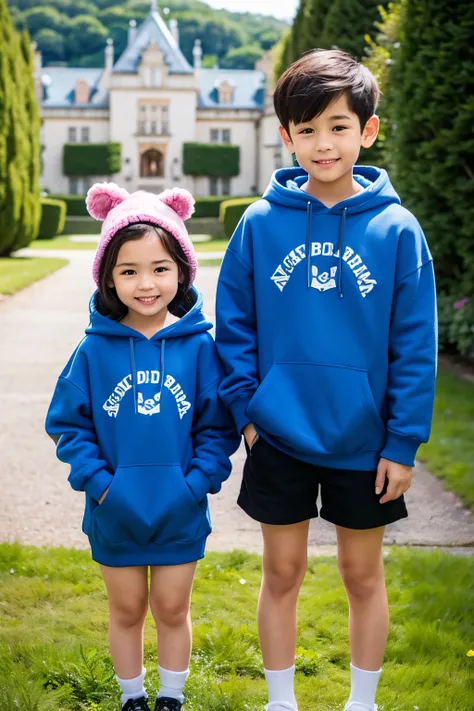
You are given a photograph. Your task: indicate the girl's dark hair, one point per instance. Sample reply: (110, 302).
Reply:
(317, 79)
(108, 303)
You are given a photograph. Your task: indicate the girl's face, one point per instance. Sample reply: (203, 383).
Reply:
(146, 279)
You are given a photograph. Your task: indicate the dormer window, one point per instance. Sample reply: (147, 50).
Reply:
(81, 92)
(226, 92)
(152, 67)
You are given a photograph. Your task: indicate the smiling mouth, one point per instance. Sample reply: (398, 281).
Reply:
(147, 299)
(328, 161)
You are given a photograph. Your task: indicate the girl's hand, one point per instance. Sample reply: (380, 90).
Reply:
(103, 495)
(399, 479)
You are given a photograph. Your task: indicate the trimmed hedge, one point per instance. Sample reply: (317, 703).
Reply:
(75, 204)
(208, 206)
(53, 217)
(82, 226)
(92, 158)
(211, 159)
(231, 211)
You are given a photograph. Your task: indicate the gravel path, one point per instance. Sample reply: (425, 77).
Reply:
(39, 328)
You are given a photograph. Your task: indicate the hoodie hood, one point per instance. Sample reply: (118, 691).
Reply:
(285, 189)
(191, 322)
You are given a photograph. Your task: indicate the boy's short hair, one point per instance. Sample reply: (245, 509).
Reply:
(317, 79)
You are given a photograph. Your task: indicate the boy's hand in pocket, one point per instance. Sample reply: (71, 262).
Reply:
(250, 434)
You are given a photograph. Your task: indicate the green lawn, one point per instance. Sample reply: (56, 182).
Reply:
(450, 452)
(210, 262)
(53, 634)
(65, 242)
(215, 245)
(18, 272)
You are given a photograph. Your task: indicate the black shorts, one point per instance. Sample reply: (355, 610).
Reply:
(280, 490)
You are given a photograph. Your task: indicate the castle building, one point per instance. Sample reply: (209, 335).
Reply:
(152, 102)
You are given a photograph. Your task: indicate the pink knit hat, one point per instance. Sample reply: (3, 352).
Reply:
(118, 208)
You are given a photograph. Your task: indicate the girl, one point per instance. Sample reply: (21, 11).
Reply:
(137, 416)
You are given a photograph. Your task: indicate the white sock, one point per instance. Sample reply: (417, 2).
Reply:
(281, 689)
(172, 683)
(364, 686)
(132, 688)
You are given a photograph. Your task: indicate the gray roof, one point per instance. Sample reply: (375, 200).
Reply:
(249, 85)
(59, 85)
(249, 88)
(153, 28)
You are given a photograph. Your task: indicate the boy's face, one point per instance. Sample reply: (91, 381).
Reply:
(328, 146)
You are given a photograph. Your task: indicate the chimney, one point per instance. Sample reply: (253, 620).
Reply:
(132, 32)
(174, 30)
(197, 54)
(109, 55)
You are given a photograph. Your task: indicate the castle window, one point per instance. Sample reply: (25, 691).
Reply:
(226, 92)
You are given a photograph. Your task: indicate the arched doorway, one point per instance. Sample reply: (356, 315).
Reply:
(152, 164)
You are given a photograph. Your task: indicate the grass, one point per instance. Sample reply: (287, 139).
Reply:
(54, 653)
(215, 245)
(18, 272)
(210, 262)
(65, 242)
(62, 242)
(450, 452)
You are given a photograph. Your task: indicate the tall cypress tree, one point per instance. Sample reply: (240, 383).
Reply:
(432, 147)
(19, 140)
(348, 21)
(315, 20)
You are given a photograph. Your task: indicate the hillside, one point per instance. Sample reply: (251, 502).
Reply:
(73, 32)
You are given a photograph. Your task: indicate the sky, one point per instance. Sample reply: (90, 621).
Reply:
(283, 9)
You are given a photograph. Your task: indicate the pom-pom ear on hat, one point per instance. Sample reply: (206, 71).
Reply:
(180, 200)
(102, 198)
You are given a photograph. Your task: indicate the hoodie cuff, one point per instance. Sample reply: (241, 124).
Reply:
(198, 483)
(98, 483)
(238, 409)
(400, 449)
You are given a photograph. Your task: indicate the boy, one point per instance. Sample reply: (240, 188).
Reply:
(326, 327)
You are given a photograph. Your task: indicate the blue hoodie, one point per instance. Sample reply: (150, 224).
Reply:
(326, 324)
(142, 416)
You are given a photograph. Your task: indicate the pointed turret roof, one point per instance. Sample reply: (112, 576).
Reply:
(153, 29)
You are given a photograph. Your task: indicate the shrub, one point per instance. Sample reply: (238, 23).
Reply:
(461, 331)
(213, 159)
(208, 206)
(75, 204)
(431, 85)
(231, 211)
(53, 217)
(92, 158)
(19, 139)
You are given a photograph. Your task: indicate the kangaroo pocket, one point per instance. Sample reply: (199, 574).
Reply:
(148, 504)
(318, 409)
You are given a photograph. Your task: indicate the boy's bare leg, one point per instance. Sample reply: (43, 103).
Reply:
(284, 566)
(360, 562)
